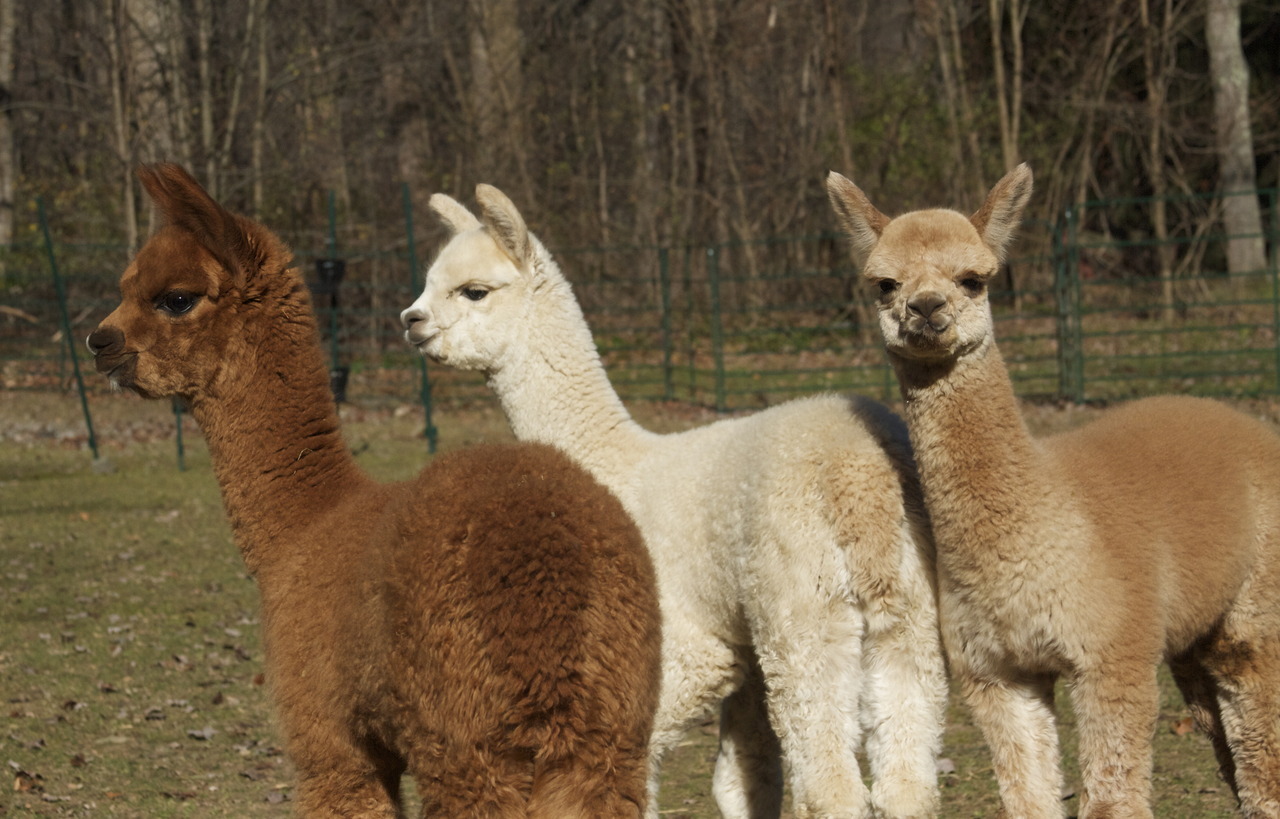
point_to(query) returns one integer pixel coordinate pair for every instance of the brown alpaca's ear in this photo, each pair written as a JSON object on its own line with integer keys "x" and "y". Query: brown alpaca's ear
{"x": 184, "y": 204}
{"x": 456, "y": 217}
{"x": 999, "y": 217}
{"x": 505, "y": 224}
{"x": 857, "y": 215}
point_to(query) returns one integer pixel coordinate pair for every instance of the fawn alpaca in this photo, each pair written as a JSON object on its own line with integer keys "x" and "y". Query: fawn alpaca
{"x": 1153, "y": 533}
{"x": 792, "y": 554}
{"x": 491, "y": 627}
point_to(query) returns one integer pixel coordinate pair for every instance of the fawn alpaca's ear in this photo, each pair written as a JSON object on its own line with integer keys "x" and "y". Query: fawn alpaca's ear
{"x": 857, "y": 215}
{"x": 505, "y": 224}
{"x": 998, "y": 218}
{"x": 184, "y": 204}
{"x": 453, "y": 214}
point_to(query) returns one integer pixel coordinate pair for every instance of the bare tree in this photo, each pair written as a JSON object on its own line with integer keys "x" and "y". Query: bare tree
{"x": 8, "y": 159}
{"x": 1241, "y": 217}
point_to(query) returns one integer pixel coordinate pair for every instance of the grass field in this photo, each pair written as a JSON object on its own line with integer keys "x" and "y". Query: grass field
{"x": 131, "y": 670}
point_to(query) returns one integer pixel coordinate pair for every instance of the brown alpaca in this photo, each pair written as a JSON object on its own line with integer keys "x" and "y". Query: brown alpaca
{"x": 491, "y": 627}
{"x": 1151, "y": 534}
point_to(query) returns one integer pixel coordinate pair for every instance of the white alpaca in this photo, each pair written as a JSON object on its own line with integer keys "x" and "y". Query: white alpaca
{"x": 1152, "y": 533}
{"x": 791, "y": 552}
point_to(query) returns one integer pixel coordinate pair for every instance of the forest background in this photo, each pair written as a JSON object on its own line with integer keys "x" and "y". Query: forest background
{"x": 634, "y": 122}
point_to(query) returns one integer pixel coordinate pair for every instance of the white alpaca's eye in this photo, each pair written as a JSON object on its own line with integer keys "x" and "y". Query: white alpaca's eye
{"x": 887, "y": 286}
{"x": 972, "y": 284}
{"x": 177, "y": 302}
{"x": 474, "y": 293}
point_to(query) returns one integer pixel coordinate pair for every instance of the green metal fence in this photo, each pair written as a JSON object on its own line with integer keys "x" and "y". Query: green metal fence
{"x": 1083, "y": 313}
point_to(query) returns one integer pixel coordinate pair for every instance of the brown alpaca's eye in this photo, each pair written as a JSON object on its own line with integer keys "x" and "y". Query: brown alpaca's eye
{"x": 887, "y": 286}
{"x": 474, "y": 293}
{"x": 177, "y": 302}
{"x": 972, "y": 285}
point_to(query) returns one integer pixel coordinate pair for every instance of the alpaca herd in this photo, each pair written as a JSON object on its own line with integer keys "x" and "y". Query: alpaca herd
{"x": 527, "y": 629}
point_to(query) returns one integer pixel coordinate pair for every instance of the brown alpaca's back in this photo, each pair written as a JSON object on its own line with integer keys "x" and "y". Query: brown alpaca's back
{"x": 490, "y": 628}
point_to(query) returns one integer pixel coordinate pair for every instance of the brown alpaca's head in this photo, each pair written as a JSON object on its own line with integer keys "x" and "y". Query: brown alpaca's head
{"x": 930, "y": 268}
{"x": 188, "y": 299}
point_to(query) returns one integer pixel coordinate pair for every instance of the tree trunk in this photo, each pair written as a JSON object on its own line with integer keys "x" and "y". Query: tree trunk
{"x": 1241, "y": 217}
{"x": 497, "y": 94}
{"x": 8, "y": 158}
{"x": 1155, "y": 47}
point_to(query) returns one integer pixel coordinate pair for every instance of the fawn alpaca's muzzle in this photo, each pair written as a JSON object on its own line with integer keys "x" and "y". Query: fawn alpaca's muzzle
{"x": 110, "y": 357}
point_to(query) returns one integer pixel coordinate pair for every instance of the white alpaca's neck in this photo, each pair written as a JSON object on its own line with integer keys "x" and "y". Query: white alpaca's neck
{"x": 981, "y": 470}
{"x": 554, "y": 389}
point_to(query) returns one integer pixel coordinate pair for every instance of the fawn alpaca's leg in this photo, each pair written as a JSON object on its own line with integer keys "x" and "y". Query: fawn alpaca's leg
{"x": 1017, "y": 721}
{"x": 1116, "y": 710}
{"x": 1200, "y": 691}
{"x": 906, "y": 697}
{"x": 811, "y": 653}
{"x": 339, "y": 778}
{"x": 698, "y": 671}
{"x": 748, "y": 776}
{"x": 1248, "y": 676}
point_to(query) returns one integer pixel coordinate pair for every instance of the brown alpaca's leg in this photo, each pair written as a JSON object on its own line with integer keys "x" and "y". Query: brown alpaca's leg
{"x": 352, "y": 795}
{"x": 1248, "y": 676}
{"x": 1201, "y": 694}
{"x": 1017, "y": 722}
{"x": 598, "y": 781}
{"x": 1116, "y": 710}
{"x": 748, "y": 776}
{"x": 476, "y": 783}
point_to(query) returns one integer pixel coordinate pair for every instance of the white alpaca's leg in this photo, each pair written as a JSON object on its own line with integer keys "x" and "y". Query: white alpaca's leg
{"x": 748, "y": 776}
{"x": 698, "y": 671}
{"x": 905, "y": 700}
{"x": 1116, "y": 710}
{"x": 1017, "y": 721}
{"x": 810, "y": 652}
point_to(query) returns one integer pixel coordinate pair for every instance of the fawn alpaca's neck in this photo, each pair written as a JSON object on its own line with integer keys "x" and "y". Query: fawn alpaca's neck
{"x": 275, "y": 439}
{"x": 979, "y": 466}
{"x": 554, "y": 389}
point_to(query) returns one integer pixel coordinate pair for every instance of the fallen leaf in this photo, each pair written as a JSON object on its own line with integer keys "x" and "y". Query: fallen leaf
{"x": 1183, "y": 726}
{"x": 204, "y": 734}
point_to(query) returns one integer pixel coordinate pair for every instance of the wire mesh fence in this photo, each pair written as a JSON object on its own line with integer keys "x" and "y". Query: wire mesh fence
{"x": 1083, "y": 313}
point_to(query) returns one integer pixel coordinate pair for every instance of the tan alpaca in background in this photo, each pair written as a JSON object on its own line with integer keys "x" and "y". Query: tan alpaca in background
{"x": 1152, "y": 534}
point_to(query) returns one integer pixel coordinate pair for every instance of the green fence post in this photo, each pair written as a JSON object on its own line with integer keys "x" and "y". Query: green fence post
{"x": 717, "y": 324}
{"x": 333, "y": 299}
{"x": 424, "y": 390}
{"x": 1275, "y": 277}
{"x": 1066, "y": 297}
{"x": 66, "y": 324}
{"x": 664, "y": 287}
{"x": 177, "y": 417}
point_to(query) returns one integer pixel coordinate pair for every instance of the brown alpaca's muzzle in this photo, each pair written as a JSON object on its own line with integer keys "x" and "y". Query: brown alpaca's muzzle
{"x": 110, "y": 356}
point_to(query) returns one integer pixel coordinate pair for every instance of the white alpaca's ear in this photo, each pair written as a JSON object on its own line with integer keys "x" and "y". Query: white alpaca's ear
{"x": 505, "y": 224}
{"x": 453, "y": 214}
{"x": 859, "y": 218}
{"x": 999, "y": 217}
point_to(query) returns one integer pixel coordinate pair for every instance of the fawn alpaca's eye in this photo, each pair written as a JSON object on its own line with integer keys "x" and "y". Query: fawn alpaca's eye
{"x": 474, "y": 293}
{"x": 887, "y": 286}
{"x": 177, "y": 302}
{"x": 972, "y": 284}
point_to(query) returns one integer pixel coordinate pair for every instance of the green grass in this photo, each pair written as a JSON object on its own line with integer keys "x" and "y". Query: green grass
{"x": 130, "y": 656}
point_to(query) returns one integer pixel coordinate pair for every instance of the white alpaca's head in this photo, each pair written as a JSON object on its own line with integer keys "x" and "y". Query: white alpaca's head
{"x": 478, "y": 295}
{"x": 930, "y": 268}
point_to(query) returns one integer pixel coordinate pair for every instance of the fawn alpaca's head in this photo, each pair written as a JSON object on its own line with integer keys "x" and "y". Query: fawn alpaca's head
{"x": 186, "y": 297}
{"x": 930, "y": 268}
{"x": 479, "y": 290}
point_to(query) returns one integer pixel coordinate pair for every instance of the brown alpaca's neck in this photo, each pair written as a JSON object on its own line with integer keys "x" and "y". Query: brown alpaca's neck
{"x": 276, "y": 443}
{"x": 979, "y": 466}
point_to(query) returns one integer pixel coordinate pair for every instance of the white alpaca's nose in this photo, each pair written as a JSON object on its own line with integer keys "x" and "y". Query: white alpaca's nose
{"x": 416, "y": 321}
